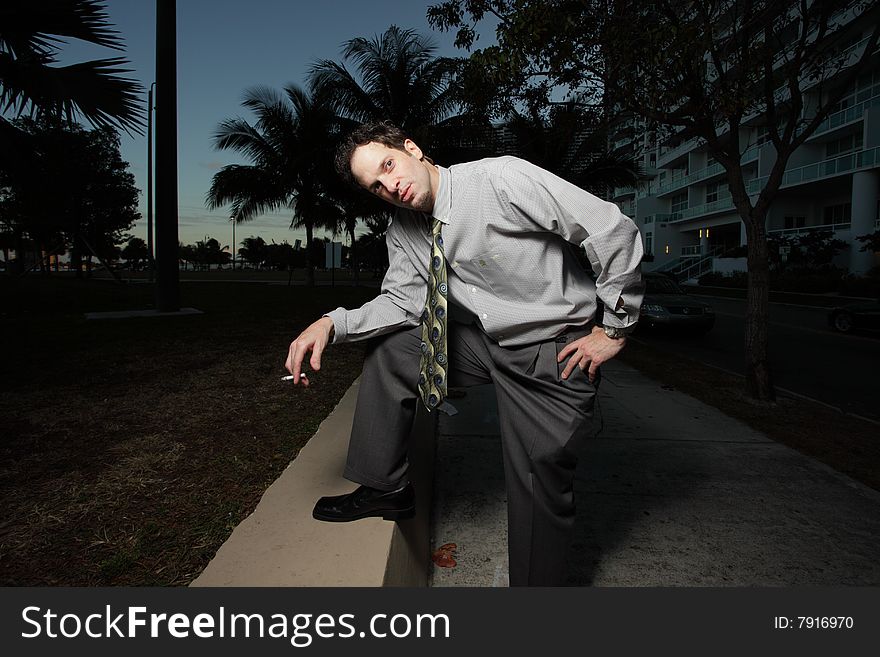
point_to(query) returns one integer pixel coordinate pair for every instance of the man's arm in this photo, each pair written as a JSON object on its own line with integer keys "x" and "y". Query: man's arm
{"x": 398, "y": 305}
{"x": 610, "y": 239}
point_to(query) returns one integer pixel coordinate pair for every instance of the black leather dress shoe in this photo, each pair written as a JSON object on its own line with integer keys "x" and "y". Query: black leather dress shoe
{"x": 366, "y": 502}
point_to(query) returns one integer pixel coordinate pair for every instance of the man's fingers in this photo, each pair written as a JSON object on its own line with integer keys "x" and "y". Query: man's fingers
{"x": 566, "y": 350}
{"x": 594, "y": 367}
{"x": 570, "y": 365}
{"x": 299, "y": 353}
{"x": 315, "y": 361}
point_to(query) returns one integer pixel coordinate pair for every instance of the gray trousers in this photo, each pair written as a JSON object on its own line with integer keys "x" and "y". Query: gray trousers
{"x": 543, "y": 418}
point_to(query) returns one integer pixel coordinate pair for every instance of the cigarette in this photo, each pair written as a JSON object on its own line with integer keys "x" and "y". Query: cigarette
{"x": 289, "y": 377}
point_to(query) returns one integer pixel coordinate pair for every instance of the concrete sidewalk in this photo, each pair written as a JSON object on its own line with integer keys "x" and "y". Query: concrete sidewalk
{"x": 670, "y": 492}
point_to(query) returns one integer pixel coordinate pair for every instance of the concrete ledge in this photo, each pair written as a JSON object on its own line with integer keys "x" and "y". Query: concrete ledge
{"x": 280, "y": 544}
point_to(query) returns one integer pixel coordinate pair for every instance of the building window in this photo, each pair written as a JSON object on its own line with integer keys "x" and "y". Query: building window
{"x": 795, "y": 222}
{"x": 868, "y": 86}
{"x": 844, "y": 145}
{"x": 680, "y": 202}
{"x": 649, "y": 243}
{"x": 834, "y": 215}
{"x": 717, "y": 191}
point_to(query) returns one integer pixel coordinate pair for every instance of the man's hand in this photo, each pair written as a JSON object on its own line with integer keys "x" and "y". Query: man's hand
{"x": 590, "y": 351}
{"x": 313, "y": 339}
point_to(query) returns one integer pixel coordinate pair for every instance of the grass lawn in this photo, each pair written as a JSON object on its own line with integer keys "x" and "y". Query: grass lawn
{"x": 131, "y": 448}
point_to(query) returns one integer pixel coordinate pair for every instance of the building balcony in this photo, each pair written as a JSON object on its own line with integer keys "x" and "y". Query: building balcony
{"x": 847, "y": 116}
{"x": 712, "y": 170}
{"x": 668, "y": 155}
{"x": 657, "y": 218}
{"x": 835, "y": 166}
{"x": 699, "y": 211}
{"x": 803, "y": 230}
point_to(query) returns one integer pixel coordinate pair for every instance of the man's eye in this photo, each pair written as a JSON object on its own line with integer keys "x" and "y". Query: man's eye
{"x": 388, "y": 164}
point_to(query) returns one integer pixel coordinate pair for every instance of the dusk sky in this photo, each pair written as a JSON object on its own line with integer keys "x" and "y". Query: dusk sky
{"x": 225, "y": 47}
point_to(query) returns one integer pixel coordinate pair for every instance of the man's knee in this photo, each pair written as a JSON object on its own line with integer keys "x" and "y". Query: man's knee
{"x": 395, "y": 352}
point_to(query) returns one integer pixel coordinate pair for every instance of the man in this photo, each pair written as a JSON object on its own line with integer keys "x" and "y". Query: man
{"x": 483, "y": 285}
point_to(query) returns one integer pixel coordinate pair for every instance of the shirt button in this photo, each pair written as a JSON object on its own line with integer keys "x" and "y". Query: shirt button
{"x": 474, "y": 290}
{"x": 485, "y": 315}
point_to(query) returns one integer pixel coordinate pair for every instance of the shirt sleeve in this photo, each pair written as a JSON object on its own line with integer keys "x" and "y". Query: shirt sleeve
{"x": 611, "y": 239}
{"x": 398, "y": 305}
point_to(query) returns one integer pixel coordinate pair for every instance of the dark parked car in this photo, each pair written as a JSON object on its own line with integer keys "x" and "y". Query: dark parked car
{"x": 667, "y": 305}
{"x": 855, "y": 317}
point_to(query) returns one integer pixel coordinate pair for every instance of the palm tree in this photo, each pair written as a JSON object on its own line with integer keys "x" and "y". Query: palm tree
{"x": 398, "y": 79}
{"x": 292, "y": 167}
{"x": 573, "y": 145}
{"x": 30, "y": 34}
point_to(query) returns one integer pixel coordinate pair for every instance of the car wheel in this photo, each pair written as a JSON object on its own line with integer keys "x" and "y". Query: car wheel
{"x": 843, "y": 322}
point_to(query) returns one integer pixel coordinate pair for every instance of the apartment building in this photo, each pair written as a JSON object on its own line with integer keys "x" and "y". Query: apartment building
{"x": 831, "y": 183}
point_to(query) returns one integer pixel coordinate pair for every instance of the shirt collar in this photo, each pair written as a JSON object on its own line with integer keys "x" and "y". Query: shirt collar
{"x": 443, "y": 200}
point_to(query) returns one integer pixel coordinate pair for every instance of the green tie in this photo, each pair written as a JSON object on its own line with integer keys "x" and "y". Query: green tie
{"x": 432, "y": 379}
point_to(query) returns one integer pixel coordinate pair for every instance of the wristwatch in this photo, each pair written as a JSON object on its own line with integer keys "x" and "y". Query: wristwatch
{"x": 615, "y": 332}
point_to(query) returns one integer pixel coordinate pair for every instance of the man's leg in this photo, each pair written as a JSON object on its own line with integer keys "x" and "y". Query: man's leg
{"x": 543, "y": 423}
{"x": 385, "y": 411}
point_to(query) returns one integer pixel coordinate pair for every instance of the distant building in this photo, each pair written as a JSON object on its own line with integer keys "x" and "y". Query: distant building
{"x": 832, "y": 182}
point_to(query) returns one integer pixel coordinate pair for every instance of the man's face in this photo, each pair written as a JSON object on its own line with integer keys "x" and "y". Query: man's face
{"x": 401, "y": 178}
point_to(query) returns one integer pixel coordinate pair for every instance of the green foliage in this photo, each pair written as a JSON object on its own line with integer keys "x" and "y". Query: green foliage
{"x": 135, "y": 252}
{"x": 93, "y": 198}
{"x": 542, "y": 47}
{"x": 31, "y": 35}
{"x": 870, "y": 242}
{"x": 809, "y": 251}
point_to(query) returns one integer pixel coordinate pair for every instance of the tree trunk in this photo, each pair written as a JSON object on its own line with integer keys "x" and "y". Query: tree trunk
{"x": 76, "y": 256}
{"x": 355, "y": 268}
{"x": 310, "y": 270}
{"x": 759, "y": 382}
{"x": 18, "y": 246}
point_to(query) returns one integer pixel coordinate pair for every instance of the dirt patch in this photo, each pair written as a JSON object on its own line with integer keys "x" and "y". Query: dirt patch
{"x": 130, "y": 449}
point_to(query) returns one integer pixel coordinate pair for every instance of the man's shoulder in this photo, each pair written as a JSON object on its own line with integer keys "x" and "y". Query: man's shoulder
{"x": 497, "y": 171}
{"x": 486, "y": 165}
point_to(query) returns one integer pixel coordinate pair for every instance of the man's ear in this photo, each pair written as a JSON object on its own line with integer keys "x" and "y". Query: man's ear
{"x": 413, "y": 149}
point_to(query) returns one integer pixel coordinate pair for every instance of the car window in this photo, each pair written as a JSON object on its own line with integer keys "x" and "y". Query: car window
{"x": 661, "y": 285}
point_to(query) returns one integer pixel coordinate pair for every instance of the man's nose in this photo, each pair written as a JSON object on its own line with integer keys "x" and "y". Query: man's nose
{"x": 389, "y": 185}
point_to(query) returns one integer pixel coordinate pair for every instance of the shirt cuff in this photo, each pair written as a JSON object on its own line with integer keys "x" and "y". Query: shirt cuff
{"x": 340, "y": 333}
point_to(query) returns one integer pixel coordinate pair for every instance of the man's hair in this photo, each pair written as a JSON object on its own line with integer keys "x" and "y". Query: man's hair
{"x": 381, "y": 132}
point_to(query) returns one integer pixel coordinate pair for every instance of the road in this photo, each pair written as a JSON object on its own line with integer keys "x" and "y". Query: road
{"x": 806, "y": 356}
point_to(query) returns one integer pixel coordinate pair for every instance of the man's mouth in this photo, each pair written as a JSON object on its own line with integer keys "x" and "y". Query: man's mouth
{"x": 405, "y": 196}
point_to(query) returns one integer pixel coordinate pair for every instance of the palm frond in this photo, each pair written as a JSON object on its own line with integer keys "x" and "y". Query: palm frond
{"x": 249, "y": 190}
{"x": 35, "y": 27}
{"x": 94, "y": 89}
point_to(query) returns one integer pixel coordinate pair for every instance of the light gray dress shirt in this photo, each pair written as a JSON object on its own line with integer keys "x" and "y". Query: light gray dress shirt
{"x": 508, "y": 234}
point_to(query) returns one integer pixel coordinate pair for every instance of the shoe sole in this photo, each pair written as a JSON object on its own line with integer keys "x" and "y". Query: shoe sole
{"x": 391, "y": 514}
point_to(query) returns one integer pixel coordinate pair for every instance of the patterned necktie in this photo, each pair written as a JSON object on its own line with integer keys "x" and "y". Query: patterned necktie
{"x": 432, "y": 377}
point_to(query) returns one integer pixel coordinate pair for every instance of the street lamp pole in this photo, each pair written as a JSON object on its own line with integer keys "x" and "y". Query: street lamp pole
{"x": 151, "y": 257}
